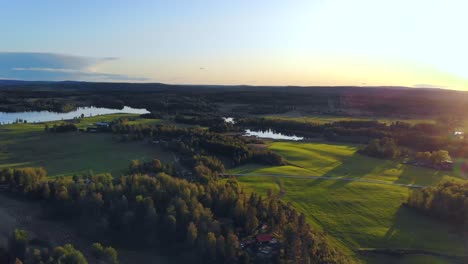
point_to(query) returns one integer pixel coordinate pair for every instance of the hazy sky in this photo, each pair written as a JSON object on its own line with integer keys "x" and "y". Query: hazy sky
{"x": 305, "y": 42}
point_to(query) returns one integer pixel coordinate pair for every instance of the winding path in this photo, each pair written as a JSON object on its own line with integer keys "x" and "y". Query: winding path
{"x": 327, "y": 178}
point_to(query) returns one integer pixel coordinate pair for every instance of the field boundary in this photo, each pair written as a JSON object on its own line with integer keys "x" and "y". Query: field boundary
{"x": 398, "y": 252}
{"x": 323, "y": 178}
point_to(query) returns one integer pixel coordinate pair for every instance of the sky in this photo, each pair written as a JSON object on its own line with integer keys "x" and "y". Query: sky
{"x": 258, "y": 42}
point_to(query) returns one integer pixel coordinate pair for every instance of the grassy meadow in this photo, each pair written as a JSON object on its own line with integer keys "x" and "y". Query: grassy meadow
{"x": 357, "y": 214}
{"x": 64, "y": 154}
{"x": 319, "y": 159}
{"x": 323, "y": 119}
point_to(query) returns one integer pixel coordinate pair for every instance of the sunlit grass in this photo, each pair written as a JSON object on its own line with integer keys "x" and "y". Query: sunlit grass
{"x": 319, "y": 159}
{"x": 323, "y": 119}
{"x": 65, "y": 154}
{"x": 357, "y": 214}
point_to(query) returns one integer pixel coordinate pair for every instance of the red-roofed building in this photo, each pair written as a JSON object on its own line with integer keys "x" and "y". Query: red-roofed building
{"x": 264, "y": 238}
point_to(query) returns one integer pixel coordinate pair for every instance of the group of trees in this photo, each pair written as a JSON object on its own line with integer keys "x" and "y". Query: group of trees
{"x": 433, "y": 158}
{"x": 20, "y": 104}
{"x": 150, "y": 167}
{"x": 448, "y": 201}
{"x": 213, "y": 122}
{"x": 23, "y": 250}
{"x": 382, "y": 148}
{"x": 205, "y": 168}
{"x": 161, "y": 210}
{"x": 23, "y": 180}
{"x": 64, "y": 127}
{"x": 105, "y": 254}
{"x": 189, "y": 142}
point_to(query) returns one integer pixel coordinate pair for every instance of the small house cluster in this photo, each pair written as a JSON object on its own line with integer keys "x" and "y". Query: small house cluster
{"x": 99, "y": 127}
{"x": 263, "y": 244}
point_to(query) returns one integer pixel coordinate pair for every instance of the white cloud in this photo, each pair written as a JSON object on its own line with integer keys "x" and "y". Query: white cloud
{"x": 56, "y": 67}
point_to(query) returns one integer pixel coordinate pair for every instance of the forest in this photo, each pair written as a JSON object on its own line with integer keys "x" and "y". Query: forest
{"x": 22, "y": 249}
{"x": 211, "y": 219}
{"x": 174, "y": 99}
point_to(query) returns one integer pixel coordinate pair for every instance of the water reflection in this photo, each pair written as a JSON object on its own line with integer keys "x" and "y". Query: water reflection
{"x": 270, "y": 134}
{"x": 44, "y": 116}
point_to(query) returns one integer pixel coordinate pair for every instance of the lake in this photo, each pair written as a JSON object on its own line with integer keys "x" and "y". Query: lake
{"x": 44, "y": 116}
{"x": 229, "y": 120}
{"x": 270, "y": 134}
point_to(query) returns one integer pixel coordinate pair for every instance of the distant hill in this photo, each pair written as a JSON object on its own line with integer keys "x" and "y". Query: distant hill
{"x": 157, "y": 86}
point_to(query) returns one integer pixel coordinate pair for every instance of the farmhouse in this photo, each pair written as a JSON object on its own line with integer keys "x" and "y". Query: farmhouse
{"x": 459, "y": 134}
{"x": 264, "y": 238}
{"x": 102, "y": 124}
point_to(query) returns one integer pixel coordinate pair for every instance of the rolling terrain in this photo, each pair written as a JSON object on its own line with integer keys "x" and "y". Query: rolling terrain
{"x": 65, "y": 154}
{"x": 359, "y": 215}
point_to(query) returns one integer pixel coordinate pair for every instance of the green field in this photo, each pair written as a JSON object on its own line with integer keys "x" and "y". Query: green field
{"x": 90, "y": 121}
{"x": 317, "y": 159}
{"x": 64, "y": 154}
{"x": 357, "y": 214}
{"x": 323, "y": 119}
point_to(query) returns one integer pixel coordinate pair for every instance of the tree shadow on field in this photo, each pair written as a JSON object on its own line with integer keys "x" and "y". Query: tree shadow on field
{"x": 413, "y": 230}
{"x": 400, "y": 224}
{"x": 357, "y": 166}
{"x": 421, "y": 176}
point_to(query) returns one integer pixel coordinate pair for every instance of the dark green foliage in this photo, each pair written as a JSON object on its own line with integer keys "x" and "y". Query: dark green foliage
{"x": 20, "y": 251}
{"x": 64, "y": 127}
{"x": 435, "y": 157}
{"x": 153, "y": 166}
{"x": 382, "y": 148}
{"x": 142, "y": 209}
{"x": 448, "y": 200}
{"x": 191, "y": 142}
{"x": 17, "y": 244}
{"x": 107, "y": 255}
{"x": 22, "y": 179}
{"x": 68, "y": 255}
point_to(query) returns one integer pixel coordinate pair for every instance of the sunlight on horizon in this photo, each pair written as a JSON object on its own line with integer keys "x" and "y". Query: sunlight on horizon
{"x": 363, "y": 42}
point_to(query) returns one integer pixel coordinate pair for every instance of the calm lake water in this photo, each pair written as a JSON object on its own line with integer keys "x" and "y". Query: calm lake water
{"x": 229, "y": 120}
{"x": 44, "y": 116}
{"x": 271, "y": 134}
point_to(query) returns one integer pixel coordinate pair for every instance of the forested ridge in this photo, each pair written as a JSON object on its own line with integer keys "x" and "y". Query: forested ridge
{"x": 173, "y": 99}
{"x": 210, "y": 219}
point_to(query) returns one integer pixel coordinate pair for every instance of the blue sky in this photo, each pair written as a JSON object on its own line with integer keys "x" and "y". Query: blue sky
{"x": 304, "y": 42}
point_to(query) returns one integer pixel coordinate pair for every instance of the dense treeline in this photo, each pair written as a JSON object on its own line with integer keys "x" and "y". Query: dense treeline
{"x": 214, "y": 123}
{"x": 11, "y": 105}
{"x": 448, "y": 201}
{"x": 22, "y": 249}
{"x": 150, "y": 167}
{"x": 173, "y": 99}
{"x": 210, "y": 219}
{"x": 417, "y": 138}
{"x": 64, "y": 127}
{"x": 340, "y": 130}
{"x": 382, "y": 148}
{"x": 189, "y": 142}
{"x": 23, "y": 180}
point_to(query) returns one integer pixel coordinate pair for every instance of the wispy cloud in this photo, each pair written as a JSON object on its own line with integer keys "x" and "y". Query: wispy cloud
{"x": 47, "y": 70}
{"x": 422, "y": 85}
{"x": 56, "y": 67}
